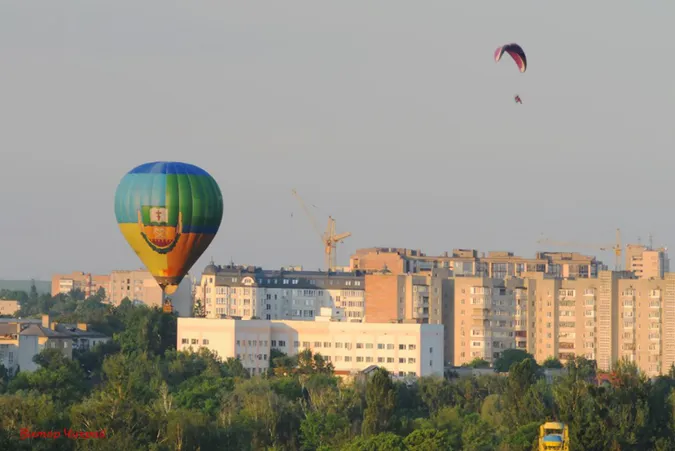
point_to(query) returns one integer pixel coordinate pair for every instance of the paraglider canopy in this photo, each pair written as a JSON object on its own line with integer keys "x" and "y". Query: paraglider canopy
{"x": 516, "y": 52}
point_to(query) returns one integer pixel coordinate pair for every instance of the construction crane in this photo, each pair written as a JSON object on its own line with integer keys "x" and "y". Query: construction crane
{"x": 329, "y": 238}
{"x": 616, "y": 247}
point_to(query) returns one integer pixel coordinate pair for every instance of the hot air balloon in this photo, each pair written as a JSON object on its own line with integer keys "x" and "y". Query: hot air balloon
{"x": 169, "y": 212}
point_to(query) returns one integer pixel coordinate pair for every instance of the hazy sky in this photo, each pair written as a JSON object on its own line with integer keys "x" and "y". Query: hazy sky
{"x": 390, "y": 115}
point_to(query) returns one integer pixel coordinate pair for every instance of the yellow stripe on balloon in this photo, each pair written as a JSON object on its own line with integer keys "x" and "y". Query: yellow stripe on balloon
{"x": 157, "y": 264}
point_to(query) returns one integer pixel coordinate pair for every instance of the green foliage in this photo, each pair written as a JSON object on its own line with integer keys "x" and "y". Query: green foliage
{"x": 510, "y": 357}
{"x": 477, "y": 363}
{"x": 428, "y": 439}
{"x": 149, "y": 396}
{"x": 385, "y": 441}
{"x": 552, "y": 363}
{"x": 380, "y": 403}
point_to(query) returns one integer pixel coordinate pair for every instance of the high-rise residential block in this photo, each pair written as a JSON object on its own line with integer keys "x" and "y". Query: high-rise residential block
{"x": 468, "y": 262}
{"x": 250, "y": 292}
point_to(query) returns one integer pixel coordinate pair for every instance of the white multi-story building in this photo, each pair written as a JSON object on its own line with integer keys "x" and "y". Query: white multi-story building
{"x": 250, "y": 292}
{"x": 403, "y": 349}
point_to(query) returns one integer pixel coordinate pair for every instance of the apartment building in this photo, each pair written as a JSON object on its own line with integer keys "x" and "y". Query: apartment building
{"x": 250, "y": 292}
{"x": 8, "y": 307}
{"x": 646, "y": 323}
{"x": 135, "y": 285}
{"x": 422, "y": 298}
{"x": 611, "y": 317}
{"x": 21, "y": 340}
{"x": 485, "y": 318}
{"x": 403, "y": 349}
{"x": 140, "y": 287}
{"x": 647, "y": 262}
{"x": 468, "y": 262}
{"x": 88, "y": 283}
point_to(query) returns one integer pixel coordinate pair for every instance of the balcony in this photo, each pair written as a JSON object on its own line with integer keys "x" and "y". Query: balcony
{"x": 480, "y": 314}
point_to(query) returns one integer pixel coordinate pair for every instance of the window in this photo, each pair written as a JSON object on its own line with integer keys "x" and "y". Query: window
{"x": 205, "y": 341}
{"x": 369, "y": 346}
{"x": 390, "y": 360}
{"x": 194, "y": 341}
{"x": 326, "y": 344}
{"x": 390, "y": 346}
{"x": 282, "y": 343}
{"x": 380, "y": 346}
{"x": 348, "y": 358}
{"x": 274, "y": 343}
{"x": 369, "y": 359}
{"x": 317, "y": 344}
{"x": 401, "y": 360}
{"x": 401, "y": 347}
{"x": 359, "y": 359}
{"x": 183, "y": 341}
{"x": 411, "y": 360}
{"x": 359, "y": 345}
{"x": 411, "y": 347}
{"x": 380, "y": 360}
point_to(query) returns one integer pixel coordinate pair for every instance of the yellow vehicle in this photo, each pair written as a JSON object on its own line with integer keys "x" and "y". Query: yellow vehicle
{"x": 554, "y": 436}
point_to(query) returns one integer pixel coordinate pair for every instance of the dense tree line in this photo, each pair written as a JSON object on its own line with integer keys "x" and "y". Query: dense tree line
{"x": 148, "y": 396}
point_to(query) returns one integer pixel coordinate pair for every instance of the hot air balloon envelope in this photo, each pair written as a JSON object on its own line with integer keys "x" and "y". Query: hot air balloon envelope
{"x": 169, "y": 212}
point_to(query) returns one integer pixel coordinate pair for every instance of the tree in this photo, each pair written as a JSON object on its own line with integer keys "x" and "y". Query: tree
{"x": 436, "y": 392}
{"x": 101, "y": 294}
{"x": 518, "y": 398}
{"x": 510, "y": 357}
{"x": 146, "y": 330}
{"x": 198, "y": 309}
{"x": 477, "y": 363}
{"x": 323, "y": 429}
{"x": 552, "y": 363}
{"x": 385, "y": 441}
{"x": 58, "y": 376}
{"x": 477, "y": 435}
{"x": 428, "y": 439}
{"x": 380, "y": 403}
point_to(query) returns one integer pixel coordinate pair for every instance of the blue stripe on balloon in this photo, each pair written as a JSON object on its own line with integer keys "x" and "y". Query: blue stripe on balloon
{"x": 136, "y": 190}
{"x": 168, "y": 167}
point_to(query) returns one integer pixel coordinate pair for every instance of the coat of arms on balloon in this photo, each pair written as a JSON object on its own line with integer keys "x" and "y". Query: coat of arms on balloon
{"x": 156, "y": 229}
